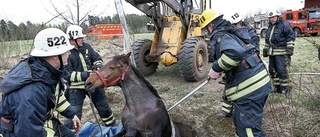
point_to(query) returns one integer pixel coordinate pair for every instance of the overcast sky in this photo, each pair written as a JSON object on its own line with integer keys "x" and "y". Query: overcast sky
{"x": 38, "y": 11}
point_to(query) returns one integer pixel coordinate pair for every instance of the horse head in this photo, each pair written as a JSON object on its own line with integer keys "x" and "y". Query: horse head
{"x": 110, "y": 74}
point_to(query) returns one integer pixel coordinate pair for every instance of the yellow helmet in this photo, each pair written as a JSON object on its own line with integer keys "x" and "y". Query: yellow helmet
{"x": 207, "y": 16}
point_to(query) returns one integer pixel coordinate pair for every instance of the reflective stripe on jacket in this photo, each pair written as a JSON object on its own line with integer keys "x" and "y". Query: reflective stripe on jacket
{"x": 248, "y": 86}
{"x": 80, "y": 63}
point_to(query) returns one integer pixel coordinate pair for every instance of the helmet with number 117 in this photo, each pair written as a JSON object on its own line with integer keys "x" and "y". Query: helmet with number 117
{"x": 50, "y": 42}
{"x": 74, "y": 32}
{"x": 207, "y": 16}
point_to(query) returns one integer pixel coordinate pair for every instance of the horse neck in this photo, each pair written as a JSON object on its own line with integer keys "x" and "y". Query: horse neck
{"x": 132, "y": 86}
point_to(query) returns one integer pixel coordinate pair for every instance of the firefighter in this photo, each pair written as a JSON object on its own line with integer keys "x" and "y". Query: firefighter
{"x": 279, "y": 47}
{"x": 237, "y": 20}
{"x": 33, "y": 89}
{"x": 82, "y": 61}
{"x": 247, "y": 81}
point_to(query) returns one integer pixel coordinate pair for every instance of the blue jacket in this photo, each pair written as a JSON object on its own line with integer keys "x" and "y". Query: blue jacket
{"x": 28, "y": 96}
{"x": 282, "y": 33}
{"x": 79, "y": 71}
{"x": 237, "y": 59}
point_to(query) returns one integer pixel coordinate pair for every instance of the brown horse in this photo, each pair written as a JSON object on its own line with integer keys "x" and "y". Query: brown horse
{"x": 144, "y": 113}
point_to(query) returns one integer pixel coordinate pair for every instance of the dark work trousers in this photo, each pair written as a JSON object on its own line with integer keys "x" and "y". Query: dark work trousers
{"x": 247, "y": 117}
{"x": 278, "y": 69}
{"x": 76, "y": 98}
{"x": 61, "y": 130}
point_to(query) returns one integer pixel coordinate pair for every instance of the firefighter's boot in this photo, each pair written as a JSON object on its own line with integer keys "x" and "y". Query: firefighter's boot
{"x": 288, "y": 94}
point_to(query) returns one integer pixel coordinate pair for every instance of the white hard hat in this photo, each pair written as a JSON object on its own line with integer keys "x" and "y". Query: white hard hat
{"x": 274, "y": 13}
{"x": 234, "y": 18}
{"x": 74, "y": 32}
{"x": 50, "y": 42}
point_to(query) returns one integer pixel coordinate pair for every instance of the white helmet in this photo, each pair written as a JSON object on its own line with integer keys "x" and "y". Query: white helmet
{"x": 234, "y": 18}
{"x": 74, "y": 32}
{"x": 273, "y": 13}
{"x": 50, "y": 42}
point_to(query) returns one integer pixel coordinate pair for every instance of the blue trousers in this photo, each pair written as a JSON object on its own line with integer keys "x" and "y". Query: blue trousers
{"x": 278, "y": 66}
{"x": 76, "y": 98}
{"x": 247, "y": 117}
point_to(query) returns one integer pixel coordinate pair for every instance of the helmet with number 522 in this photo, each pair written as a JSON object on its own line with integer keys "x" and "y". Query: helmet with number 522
{"x": 50, "y": 42}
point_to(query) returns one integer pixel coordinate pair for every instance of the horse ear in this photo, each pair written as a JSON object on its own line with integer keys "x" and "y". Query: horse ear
{"x": 125, "y": 58}
{"x": 128, "y": 54}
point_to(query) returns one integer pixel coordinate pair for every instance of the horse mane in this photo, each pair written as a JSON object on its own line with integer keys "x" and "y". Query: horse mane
{"x": 140, "y": 75}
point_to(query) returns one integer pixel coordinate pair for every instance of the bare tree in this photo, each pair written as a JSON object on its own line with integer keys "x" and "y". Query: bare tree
{"x": 72, "y": 11}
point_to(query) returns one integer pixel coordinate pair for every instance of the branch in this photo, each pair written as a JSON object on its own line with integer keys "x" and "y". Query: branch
{"x": 60, "y": 14}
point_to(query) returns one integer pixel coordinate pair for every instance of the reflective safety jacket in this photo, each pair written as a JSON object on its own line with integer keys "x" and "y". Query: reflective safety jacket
{"x": 80, "y": 63}
{"x": 29, "y": 97}
{"x": 246, "y": 76}
{"x": 279, "y": 38}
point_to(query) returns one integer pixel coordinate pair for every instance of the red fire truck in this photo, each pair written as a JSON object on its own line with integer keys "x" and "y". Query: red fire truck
{"x": 304, "y": 21}
{"x": 105, "y": 32}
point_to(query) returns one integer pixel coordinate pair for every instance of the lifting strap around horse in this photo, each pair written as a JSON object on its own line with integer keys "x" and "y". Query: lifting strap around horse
{"x": 172, "y": 128}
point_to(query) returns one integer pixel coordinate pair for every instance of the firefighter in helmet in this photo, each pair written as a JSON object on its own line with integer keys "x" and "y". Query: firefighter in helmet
{"x": 247, "y": 81}
{"x": 33, "y": 89}
{"x": 279, "y": 44}
{"x": 82, "y": 61}
{"x": 237, "y": 20}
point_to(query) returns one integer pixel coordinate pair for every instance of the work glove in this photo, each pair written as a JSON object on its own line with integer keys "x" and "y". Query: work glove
{"x": 265, "y": 50}
{"x": 213, "y": 74}
{"x": 290, "y": 49}
{"x": 85, "y": 75}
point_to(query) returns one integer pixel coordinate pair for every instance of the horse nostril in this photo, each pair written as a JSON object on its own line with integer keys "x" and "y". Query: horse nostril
{"x": 88, "y": 84}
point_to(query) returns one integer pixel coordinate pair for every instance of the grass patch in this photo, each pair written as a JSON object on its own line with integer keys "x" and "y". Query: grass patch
{"x": 143, "y": 36}
{"x": 9, "y": 49}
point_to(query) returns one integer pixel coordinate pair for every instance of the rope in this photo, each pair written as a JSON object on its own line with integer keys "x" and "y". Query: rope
{"x": 94, "y": 113}
{"x": 304, "y": 73}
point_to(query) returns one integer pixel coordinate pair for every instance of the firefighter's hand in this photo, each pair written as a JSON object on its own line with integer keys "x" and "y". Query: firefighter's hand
{"x": 76, "y": 123}
{"x": 214, "y": 75}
